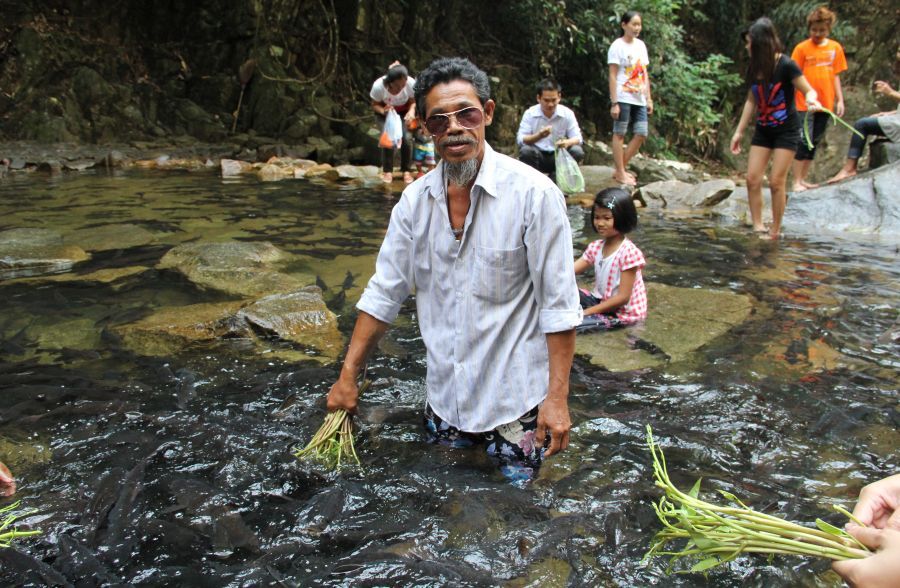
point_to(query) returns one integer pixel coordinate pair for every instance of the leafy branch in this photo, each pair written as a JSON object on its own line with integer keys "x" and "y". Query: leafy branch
{"x": 7, "y": 537}
{"x": 716, "y": 534}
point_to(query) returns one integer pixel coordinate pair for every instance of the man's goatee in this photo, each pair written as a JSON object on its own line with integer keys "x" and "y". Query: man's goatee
{"x": 461, "y": 173}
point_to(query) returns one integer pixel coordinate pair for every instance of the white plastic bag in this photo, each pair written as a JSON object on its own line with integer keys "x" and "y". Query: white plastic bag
{"x": 392, "y": 135}
{"x": 568, "y": 174}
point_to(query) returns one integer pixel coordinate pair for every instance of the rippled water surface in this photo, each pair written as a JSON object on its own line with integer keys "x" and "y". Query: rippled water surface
{"x": 178, "y": 470}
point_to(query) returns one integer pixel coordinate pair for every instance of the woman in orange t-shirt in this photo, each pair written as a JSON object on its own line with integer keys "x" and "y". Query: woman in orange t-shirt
{"x": 821, "y": 60}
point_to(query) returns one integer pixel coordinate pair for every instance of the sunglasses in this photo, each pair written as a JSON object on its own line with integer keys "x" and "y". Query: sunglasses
{"x": 467, "y": 118}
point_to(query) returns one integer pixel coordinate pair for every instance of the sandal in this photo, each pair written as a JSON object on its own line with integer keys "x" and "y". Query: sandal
{"x": 387, "y": 177}
{"x": 407, "y": 178}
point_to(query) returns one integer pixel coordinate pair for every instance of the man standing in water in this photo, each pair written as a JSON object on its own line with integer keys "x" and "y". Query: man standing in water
{"x": 486, "y": 245}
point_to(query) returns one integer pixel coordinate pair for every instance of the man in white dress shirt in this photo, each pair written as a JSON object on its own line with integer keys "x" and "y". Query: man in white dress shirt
{"x": 546, "y": 126}
{"x": 485, "y": 243}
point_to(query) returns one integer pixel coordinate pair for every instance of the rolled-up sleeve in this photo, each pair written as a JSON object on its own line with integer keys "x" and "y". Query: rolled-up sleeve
{"x": 393, "y": 279}
{"x": 548, "y": 238}
{"x": 573, "y": 131}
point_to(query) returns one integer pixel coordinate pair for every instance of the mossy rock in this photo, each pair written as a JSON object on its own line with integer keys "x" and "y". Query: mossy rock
{"x": 169, "y": 330}
{"x": 239, "y": 268}
{"x": 679, "y": 322}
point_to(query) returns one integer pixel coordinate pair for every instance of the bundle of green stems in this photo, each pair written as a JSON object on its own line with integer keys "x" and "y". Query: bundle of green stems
{"x": 7, "y": 537}
{"x": 716, "y": 534}
{"x": 807, "y": 137}
{"x": 333, "y": 442}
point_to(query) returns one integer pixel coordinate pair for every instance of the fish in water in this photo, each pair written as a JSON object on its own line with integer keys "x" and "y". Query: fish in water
{"x": 348, "y": 281}
{"x": 321, "y": 283}
{"x": 77, "y": 562}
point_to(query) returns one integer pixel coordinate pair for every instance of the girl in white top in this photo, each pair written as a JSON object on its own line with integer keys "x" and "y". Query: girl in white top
{"x": 629, "y": 93}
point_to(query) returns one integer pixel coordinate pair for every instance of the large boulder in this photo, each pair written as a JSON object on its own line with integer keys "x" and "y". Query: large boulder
{"x": 657, "y": 194}
{"x": 598, "y": 177}
{"x": 866, "y": 203}
{"x": 239, "y": 268}
{"x": 34, "y": 252}
{"x": 675, "y": 194}
{"x": 679, "y": 322}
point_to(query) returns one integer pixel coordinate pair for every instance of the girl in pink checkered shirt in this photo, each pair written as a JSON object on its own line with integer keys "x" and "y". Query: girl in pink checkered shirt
{"x": 618, "y": 297}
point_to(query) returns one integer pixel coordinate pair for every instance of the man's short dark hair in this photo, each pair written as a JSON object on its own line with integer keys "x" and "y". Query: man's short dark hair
{"x": 548, "y": 85}
{"x": 445, "y": 70}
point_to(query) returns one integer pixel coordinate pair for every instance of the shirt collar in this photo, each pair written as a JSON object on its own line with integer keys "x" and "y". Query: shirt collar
{"x": 486, "y": 178}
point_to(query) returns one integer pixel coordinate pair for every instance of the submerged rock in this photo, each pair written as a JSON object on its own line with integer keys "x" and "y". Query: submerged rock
{"x": 679, "y": 322}
{"x": 111, "y": 237}
{"x": 34, "y": 252}
{"x": 243, "y": 269}
{"x": 169, "y": 330}
{"x": 300, "y": 317}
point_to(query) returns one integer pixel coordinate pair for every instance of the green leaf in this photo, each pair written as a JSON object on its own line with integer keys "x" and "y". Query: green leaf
{"x": 702, "y": 542}
{"x": 705, "y": 564}
{"x": 829, "y": 528}
{"x": 695, "y": 490}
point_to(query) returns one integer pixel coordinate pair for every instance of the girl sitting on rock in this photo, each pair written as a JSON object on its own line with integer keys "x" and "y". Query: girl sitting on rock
{"x": 619, "y": 297}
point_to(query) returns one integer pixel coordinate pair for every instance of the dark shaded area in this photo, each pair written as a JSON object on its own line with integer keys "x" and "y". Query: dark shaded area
{"x": 102, "y": 72}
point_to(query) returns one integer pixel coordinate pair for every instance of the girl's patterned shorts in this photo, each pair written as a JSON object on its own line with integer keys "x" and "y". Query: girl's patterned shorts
{"x": 512, "y": 445}
{"x": 595, "y": 322}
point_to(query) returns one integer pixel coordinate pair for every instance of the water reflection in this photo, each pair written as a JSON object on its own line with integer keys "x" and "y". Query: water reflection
{"x": 161, "y": 470}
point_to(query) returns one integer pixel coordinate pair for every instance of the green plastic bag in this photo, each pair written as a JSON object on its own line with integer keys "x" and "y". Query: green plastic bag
{"x": 568, "y": 174}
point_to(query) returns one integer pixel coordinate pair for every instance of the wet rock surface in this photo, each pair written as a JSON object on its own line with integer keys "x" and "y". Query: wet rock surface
{"x": 32, "y": 252}
{"x": 679, "y": 322}
{"x": 866, "y": 203}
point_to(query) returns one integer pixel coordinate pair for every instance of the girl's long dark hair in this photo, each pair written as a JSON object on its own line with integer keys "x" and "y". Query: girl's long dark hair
{"x": 764, "y": 44}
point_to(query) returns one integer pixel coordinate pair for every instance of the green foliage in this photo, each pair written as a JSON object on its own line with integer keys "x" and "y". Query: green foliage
{"x": 687, "y": 97}
{"x": 571, "y": 40}
{"x": 790, "y": 22}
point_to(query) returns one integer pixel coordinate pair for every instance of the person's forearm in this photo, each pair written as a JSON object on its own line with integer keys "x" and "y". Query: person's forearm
{"x": 366, "y": 334}
{"x": 610, "y": 304}
{"x": 613, "y": 87}
{"x": 838, "y": 89}
{"x": 561, "y": 350}
{"x": 746, "y": 115}
{"x": 532, "y": 139}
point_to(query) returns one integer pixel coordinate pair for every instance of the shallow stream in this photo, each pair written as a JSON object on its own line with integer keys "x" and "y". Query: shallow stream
{"x": 178, "y": 470}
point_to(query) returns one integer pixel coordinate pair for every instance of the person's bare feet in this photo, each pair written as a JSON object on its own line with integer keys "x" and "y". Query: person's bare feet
{"x": 842, "y": 175}
{"x": 7, "y": 482}
{"x": 387, "y": 177}
{"x": 625, "y": 178}
{"x": 809, "y": 185}
{"x": 798, "y": 188}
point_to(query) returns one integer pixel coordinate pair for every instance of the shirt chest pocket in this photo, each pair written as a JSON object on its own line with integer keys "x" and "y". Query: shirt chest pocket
{"x": 499, "y": 274}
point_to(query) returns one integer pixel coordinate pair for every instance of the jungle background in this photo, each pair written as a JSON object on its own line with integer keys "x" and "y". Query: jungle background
{"x": 99, "y": 72}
